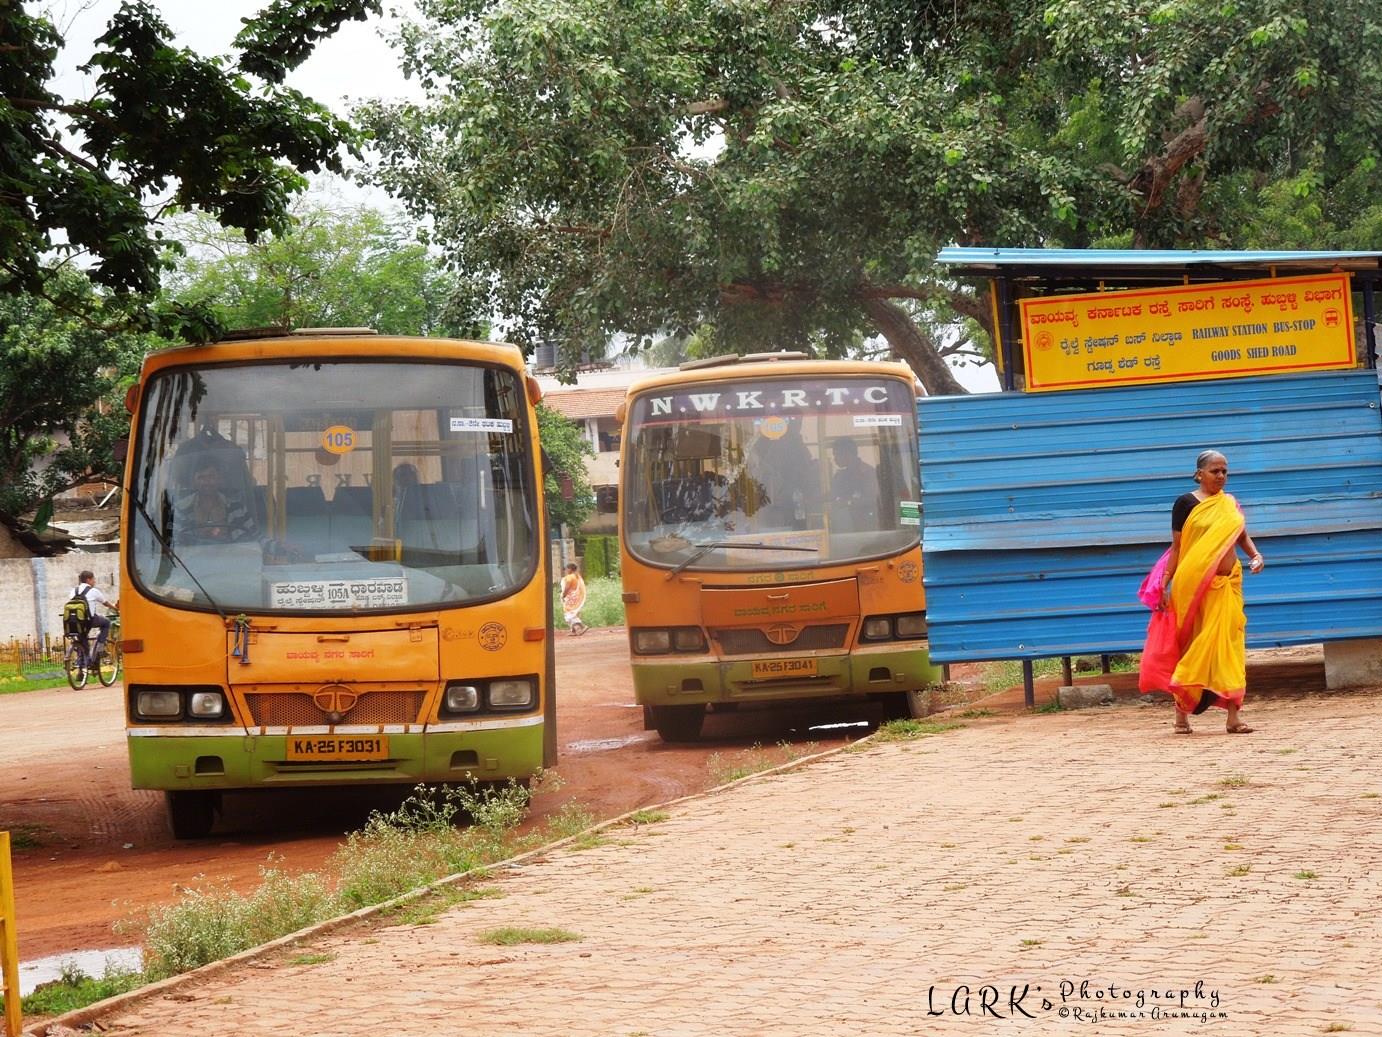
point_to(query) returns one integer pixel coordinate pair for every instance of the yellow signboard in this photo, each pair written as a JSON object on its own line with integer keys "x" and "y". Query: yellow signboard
{"x": 1223, "y": 330}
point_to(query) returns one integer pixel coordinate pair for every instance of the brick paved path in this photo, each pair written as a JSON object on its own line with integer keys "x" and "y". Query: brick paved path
{"x": 829, "y": 899}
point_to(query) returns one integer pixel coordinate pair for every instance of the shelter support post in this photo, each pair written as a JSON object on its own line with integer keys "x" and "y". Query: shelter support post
{"x": 1103, "y": 664}
{"x": 9, "y": 943}
{"x": 1067, "y": 671}
{"x": 1370, "y": 323}
{"x": 1028, "y": 690}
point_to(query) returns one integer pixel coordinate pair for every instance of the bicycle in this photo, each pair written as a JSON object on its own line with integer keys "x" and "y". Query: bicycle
{"x": 79, "y": 657}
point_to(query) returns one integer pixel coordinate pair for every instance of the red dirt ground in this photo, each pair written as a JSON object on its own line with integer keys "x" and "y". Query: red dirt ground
{"x": 98, "y": 852}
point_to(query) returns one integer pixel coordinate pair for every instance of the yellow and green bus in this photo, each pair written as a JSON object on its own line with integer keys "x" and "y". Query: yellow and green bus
{"x": 770, "y": 537}
{"x": 334, "y": 568}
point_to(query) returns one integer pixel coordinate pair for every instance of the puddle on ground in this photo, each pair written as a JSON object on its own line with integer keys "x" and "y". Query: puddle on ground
{"x": 603, "y": 745}
{"x": 33, "y": 974}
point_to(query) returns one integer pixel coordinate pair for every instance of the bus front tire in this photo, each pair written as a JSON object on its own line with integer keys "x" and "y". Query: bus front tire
{"x": 907, "y": 705}
{"x": 191, "y": 813}
{"x": 679, "y": 723}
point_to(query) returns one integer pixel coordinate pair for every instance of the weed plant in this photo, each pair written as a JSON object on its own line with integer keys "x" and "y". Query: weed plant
{"x": 74, "y": 989}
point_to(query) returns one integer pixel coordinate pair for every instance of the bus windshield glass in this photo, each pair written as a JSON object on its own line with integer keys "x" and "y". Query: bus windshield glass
{"x": 322, "y": 486}
{"x": 772, "y": 473}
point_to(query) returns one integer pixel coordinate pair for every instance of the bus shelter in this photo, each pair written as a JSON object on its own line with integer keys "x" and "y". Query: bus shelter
{"x": 1045, "y": 504}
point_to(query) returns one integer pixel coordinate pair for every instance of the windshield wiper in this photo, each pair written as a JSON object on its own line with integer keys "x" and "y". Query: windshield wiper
{"x": 153, "y": 528}
{"x": 704, "y": 549}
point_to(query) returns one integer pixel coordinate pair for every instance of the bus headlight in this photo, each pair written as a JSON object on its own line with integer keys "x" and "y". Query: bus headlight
{"x": 877, "y": 628}
{"x": 652, "y": 641}
{"x": 158, "y": 704}
{"x": 912, "y": 625}
{"x": 688, "y": 639}
{"x": 512, "y": 694}
{"x": 462, "y": 698}
{"x": 206, "y": 704}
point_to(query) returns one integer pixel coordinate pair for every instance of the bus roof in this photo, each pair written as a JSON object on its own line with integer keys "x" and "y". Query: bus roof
{"x": 741, "y": 371}
{"x": 333, "y": 343}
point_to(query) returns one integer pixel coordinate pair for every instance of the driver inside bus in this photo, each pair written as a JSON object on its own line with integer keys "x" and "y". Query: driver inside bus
{"x": 210, "y": 513}
{"x": 853, "y": 489}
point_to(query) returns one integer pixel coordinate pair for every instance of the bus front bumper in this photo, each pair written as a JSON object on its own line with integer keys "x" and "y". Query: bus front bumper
{"x": 161, "y": 758}
{"x": 868, "y": 670}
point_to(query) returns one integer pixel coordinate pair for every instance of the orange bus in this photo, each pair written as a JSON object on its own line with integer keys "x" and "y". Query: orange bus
{"x": 334, "y": 568}
{"x": 770, "y": 537}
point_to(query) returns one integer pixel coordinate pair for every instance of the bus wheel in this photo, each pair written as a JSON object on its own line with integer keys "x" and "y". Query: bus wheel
{"x": 191, "y": 814}
{"x": 679, "y": 723}
{"x": 907, "y": 705}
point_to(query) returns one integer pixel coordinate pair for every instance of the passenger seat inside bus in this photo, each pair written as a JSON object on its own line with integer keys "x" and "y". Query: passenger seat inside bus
{"x": 432, "y": 527}
{"x": 309, "y": 524}
{"x": 352, "y": 519}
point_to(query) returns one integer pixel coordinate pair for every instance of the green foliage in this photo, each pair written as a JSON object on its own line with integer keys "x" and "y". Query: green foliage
{"x": 207, "y": 925}
{"x": 566, "y": 446}
{"x": 74, "y": 989}
{"x": 764, "y": 175}
{"x": 60, "y": 399}
{"x": 336, "y": 266}
{"x": 600, "y": 557}
{"x": 162, "y": 122}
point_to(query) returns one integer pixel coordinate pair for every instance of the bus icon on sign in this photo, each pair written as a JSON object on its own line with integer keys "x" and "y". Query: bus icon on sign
{"x": 1331, "y": 318}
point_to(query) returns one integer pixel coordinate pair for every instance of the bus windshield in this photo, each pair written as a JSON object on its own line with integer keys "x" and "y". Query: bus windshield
{"x": 771, "y": 473}
{"x": 323, "y": 486}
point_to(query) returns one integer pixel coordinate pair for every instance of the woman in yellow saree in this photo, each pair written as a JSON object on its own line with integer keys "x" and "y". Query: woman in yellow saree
{"x": 1205, "y": 588}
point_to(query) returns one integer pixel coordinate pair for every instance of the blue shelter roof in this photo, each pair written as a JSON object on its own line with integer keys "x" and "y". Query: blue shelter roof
{"x": 1160, "y": 261}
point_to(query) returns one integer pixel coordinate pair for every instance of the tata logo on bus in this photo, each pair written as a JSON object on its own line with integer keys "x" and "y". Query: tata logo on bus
{"x": 802, "y": 397}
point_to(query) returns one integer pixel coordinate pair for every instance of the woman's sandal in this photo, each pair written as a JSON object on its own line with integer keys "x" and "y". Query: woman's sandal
{"x": 1182, "y": 730}
{"x": 1238, "y": 729}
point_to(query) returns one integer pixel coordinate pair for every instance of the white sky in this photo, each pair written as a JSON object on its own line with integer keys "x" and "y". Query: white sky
{"x": 355, "y": 64}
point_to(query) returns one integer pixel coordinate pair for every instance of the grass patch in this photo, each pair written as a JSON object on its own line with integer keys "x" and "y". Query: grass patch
{"x": 74, "y": 989}
{"x": 754, "y": 760}
{"x": 1233, "y": 846}
{"x": 312, "y": 959}
{"x": 1265, "y": 979}
{"x": 975, "y": 714}
{"x": 1078, "y": 839}
{"x": 1206, "y": 799}
{"x": 604, "y": 604}
{"x": 1370, "y": 795}
{"x": 1167, "y": 805}
{"x": 511, "y": 936}
{"x": 647, "y": 817}
{"x": 394, "y": 853}
{"x": 1239, "y": 871}
{"x": 1031, "y": 943}
{"x": 909, "y": 730}
{"x": 1141, "y": 839}
{"x": 1305, "y": 876}
{"x": 1234, "y": 781}
{"x": 1337, "y": 1028}
{"x": 27, "y": 837}
{"x": 1053, "y": 706}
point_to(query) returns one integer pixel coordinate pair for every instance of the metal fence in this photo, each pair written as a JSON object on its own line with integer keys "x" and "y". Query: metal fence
{"x": 30, "y": 657}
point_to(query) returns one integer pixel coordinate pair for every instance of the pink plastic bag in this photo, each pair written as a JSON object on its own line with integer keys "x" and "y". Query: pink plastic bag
{"x": 1154, "y": 582}
{"x": 1161, "y": 653}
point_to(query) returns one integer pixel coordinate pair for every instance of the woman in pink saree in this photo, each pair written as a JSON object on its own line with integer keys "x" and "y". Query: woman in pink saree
{"x": 1204, "y": 586}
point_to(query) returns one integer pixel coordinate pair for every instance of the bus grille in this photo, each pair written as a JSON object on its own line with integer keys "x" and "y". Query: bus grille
{"x": 296, "y": 709}
{"x": 748, "y": 641}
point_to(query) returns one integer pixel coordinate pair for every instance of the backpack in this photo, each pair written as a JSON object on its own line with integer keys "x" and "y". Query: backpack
{"x": 76, "y": 613}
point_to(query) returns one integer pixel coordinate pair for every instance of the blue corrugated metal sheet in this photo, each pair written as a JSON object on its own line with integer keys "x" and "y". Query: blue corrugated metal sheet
{"x": 1103, "y": 257}
{"x": 1043, "y": 512}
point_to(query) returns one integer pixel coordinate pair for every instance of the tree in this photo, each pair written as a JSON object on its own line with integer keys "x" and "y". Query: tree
{"x": 59, "y": 409}
{"x": 89, "y": 180}
{"x": 784, "y": 173}
{"x": 566, "y": 447}
{"x": 335, "y": 267}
